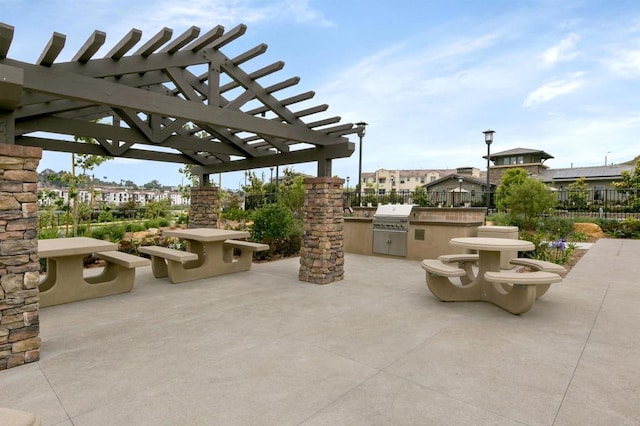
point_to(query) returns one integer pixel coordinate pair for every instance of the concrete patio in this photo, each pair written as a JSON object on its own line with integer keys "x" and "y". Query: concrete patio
{"x": 262, "y": 348}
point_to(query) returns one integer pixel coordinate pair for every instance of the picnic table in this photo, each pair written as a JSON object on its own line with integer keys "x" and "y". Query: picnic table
{"x": 513, "y": 291}
{"x": 65, "y": 279}
{"x": 210, "y": 252}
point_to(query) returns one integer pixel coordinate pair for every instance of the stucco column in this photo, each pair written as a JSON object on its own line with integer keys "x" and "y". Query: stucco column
{"x": 19, "y": 264}
{"x": 203, "y": 207}
{"x": 322, "y": 251}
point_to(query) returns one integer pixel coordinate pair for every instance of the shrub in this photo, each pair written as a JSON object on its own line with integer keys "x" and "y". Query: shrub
{"x": 105, "y": 216}
{"x": 45, "y": 234}
{"x": 235, "y": 213}
{"x": 275, "y": 225}
{"x": 557, "y": 251}
{"x": 628, "y": 228}
{"x": 135, "y": 227}
{"x": 113, "y": 232}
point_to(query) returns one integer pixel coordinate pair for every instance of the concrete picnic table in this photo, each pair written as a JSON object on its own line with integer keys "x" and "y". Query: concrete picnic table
{"x": 65, "y": 281}
{"x": 210, "y": 253}
{"x": 490, "y": 283}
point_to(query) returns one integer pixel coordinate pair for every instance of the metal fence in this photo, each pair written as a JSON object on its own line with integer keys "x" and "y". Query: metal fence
{"x": 595, "y": 203}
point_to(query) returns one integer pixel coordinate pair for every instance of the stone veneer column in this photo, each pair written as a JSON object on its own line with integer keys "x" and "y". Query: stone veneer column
{"x": 19, "y": 264}
{"x": 322, "y": 252}
{"x": 203, "y": 207}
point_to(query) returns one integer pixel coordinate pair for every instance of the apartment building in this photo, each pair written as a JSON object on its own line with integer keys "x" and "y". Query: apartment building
{"x": 113, "y": 196}
{"x": 383, "y": 181}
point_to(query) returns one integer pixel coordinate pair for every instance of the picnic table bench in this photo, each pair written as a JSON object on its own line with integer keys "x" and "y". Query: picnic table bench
{"x": 65, "y": 279}
{"x": 210, "y": 252}
{"x": 513, "y": 291}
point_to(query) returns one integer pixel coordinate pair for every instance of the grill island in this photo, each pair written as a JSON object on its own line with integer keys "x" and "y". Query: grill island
{"x": 390, "y": 229}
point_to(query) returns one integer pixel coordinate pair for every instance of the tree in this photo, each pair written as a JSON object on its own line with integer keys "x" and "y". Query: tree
{"x": 86, "y": 162}
{"x": 154, "y": 184}
{"x": 510, "y": 179}
{"x": 292, "y": 191}
{"x": 530, "y": 199}
{"x": 630, "y": 184}
{"x": 254, "y": 191}
{"x": 420, "y": 196}
{"x": 158, "y": 209}
{"x": 578, "y": 193}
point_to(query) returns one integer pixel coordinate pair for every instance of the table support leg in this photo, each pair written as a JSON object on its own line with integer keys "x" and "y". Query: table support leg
{"x": 65, "y": 281}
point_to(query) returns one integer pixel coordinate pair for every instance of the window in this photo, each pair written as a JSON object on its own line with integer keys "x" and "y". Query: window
{"x": 381, "y": 191}
{"x": 421, "y": 179}
{"x": 597, "y": 193}
{"x": 382, "y": 181}
{"x": 431, "y": 179}
{"x": 402, "y": 179}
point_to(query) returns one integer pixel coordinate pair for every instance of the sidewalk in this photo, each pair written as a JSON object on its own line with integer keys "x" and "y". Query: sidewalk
{"x": 262, "y": 348}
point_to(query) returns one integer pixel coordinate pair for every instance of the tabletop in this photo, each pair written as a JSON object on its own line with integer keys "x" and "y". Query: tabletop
{"x": 492, "y": 244}
{"x": 205, "y": 234}
{"x": 56, "y": 247}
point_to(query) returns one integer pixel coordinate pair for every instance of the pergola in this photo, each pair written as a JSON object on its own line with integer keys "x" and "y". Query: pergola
{"x": 179, "y": 100}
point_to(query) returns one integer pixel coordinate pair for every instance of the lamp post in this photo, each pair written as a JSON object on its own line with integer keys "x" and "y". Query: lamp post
{"x": 361, "y": 131}
{"x": 488, "y": 138}
{"x": 460, "y": 180}
{"x": 605, "y": 157}
{"x": 347, "y": 184}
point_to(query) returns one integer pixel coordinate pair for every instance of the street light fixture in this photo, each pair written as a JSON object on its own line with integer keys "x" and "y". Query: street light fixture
{"x": 488, "y": 138}
{"x": 460, "y": 180}
{"x": 361, "y": 131}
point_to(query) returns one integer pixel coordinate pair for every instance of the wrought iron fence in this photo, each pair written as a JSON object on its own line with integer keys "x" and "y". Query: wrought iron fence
{"x": 594, "y": 203}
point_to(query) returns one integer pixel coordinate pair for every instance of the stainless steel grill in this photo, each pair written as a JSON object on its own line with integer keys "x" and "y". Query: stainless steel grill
{"x": 390, "y": 229}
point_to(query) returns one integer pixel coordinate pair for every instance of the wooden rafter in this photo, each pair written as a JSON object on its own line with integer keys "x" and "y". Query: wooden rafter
{"x": 154, "y": 98}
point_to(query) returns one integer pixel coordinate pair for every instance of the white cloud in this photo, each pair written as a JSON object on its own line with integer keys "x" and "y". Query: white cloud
{"x": 303, "y": 13}
{"x": 561, "y": 52}
{"x": 553, "y": 89}
{"x": 625, "y": 63}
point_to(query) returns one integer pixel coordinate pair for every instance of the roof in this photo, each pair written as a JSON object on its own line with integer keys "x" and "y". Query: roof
{"x": 613, "y": 171}
{"x": 520, "y": 151}
{"x": 455, "y": 177}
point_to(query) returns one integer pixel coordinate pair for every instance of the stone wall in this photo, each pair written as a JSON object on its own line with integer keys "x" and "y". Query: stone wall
{"x": 19, "y": 264}
{"x": 204, "y": 207}
{"x": 322, "y": 252}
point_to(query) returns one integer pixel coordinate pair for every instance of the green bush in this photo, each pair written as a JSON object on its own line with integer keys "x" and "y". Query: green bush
{"x": 275, "y": 225}
{"x": 183, "y": 218}
{"x": 105, "y": 216}
{"x": 45, "y": 234}
{"x": 113, "y": 232}
{"x": 157, "y": 223}
{"x": 628, "y": 228}
{"x": 135, "y": 227}
{"x": 235, "y": 213}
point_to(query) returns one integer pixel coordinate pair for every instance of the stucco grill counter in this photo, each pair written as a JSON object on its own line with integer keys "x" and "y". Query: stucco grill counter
{"x": 390, "y": 229}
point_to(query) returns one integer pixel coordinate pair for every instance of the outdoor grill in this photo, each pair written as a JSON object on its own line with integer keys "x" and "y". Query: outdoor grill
{"x": 390, "y": 229}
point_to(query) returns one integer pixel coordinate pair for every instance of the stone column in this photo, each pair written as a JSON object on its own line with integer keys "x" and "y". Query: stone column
{"x": 19, "y": 264}
{"x": 322, "y": 252}
{"x": 203, "y": 207}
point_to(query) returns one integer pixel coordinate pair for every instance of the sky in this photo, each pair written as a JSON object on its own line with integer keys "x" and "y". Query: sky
{"x": 428, "y": 76}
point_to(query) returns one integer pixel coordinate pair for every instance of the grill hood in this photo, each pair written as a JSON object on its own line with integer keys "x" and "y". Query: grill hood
{"x": 393, "y": 210}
